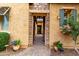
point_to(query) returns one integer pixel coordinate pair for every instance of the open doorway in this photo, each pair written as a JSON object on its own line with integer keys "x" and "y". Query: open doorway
{"x": 39, "y": 30}
{"x": 33, "y": 22}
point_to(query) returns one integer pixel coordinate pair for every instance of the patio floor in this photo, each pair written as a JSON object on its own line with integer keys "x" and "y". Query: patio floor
{"x": 67, "y": 52}
{"x": 38, "y": 49}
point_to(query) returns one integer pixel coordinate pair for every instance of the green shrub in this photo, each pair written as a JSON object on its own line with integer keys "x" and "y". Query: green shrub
{"x": 4, "y": 40}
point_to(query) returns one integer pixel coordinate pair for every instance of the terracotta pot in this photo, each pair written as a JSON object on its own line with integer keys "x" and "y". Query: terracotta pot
{"x": 17, "y": 47}
{"x": 56, "y": 49}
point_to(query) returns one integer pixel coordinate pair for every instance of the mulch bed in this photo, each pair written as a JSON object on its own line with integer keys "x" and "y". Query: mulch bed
{"x": 67, "y": 52}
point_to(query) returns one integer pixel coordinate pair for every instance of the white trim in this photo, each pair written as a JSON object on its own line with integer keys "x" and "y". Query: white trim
{"x": 6, "y": 11}
{"x": 68, "y": 8}
{"x": 39, "y": 11}
{"x": 5, "y": 31}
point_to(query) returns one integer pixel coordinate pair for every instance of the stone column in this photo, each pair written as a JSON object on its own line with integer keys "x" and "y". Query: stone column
{"x": 47, "y": 30}
{"x": 30, "y": 30}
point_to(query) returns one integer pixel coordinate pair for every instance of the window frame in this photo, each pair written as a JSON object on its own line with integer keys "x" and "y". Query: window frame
{"x": 61, "y": 15}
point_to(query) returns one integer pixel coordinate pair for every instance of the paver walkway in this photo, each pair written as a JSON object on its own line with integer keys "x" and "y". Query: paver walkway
{"x": 38, "y": 49}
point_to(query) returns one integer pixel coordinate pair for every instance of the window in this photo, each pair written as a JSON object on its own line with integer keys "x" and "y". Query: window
{"x": 4, "y": 12}
{"x": 65, "y": 13}
{"x": 5, "y": 23}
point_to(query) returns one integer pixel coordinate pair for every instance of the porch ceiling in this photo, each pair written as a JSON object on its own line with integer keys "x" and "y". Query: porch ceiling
{"x": 4, "y": 10}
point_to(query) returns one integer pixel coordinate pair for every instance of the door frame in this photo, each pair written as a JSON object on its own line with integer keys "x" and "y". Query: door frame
{"x": 46, "y": 38}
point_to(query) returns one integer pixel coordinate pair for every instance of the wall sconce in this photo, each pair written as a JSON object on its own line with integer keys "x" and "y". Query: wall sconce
{"x": 58, "y": 17}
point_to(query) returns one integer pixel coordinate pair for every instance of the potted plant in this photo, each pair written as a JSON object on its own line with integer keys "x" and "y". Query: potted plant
{"x": 59, "y": 46}
{"x": 16, "y": 44}
{"x": 54, "y": 46}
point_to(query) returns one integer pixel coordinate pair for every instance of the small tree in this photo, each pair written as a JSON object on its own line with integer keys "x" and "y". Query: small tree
{"x": 72, "y": 28}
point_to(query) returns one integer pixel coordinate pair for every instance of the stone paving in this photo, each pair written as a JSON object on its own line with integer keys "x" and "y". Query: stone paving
{"x": 38, "y": 49}
{"x": 67, "y": 52}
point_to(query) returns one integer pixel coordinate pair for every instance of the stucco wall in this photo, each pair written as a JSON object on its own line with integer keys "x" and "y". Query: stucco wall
{"x": 55, "y": 34}
{"x": 18, "y": 22}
